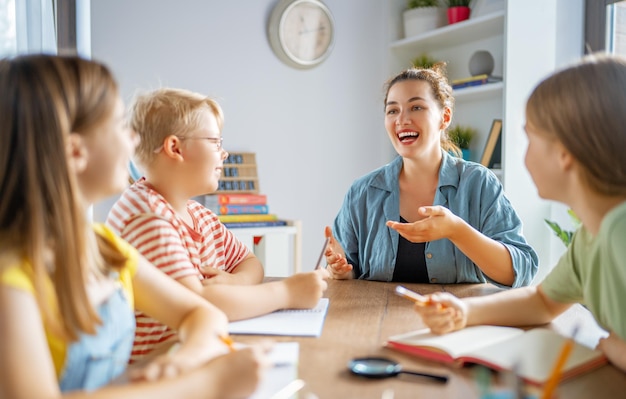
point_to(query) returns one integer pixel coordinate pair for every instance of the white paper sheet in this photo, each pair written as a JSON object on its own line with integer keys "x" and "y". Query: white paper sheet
{"x": 290, "y": 322}
{"x": 284, "y": 356}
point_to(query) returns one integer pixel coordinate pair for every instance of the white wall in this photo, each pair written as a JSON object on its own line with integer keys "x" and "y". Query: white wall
{"x": 558, "y": 27}
{"x": 314, "y": 131}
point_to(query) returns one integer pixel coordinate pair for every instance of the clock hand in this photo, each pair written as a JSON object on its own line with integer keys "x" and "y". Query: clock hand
{"x": 303, "y": 25}
{"x": 320, "y": 29}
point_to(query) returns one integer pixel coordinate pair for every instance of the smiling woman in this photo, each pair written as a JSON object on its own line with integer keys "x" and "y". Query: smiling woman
{"x": 427, "y": 217}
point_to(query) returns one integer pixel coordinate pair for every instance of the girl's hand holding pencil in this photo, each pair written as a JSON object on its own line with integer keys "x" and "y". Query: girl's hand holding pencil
{"x": 441, "y": 312}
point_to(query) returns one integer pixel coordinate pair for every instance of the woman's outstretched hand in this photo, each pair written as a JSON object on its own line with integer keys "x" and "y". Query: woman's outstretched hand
{"x": 438, "y": 222}
{"x": 337, "y": 264}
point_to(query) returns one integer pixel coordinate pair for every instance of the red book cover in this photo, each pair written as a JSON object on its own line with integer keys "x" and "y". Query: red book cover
{"x": 243, "y": 209}
{"x": 241, "y": 199}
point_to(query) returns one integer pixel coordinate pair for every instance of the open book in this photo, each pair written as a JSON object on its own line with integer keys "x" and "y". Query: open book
{"x": 531, "y": 353}
{"x": 292, "y": 322}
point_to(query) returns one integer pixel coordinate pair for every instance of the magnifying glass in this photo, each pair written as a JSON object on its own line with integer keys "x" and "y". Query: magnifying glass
{"x": 380, "y": 367}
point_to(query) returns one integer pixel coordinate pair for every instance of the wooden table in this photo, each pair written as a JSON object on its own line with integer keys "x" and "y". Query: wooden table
{"x": 362, "y": 314}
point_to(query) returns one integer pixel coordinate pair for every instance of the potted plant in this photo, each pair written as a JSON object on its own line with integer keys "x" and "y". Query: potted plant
{"x": 424, "y": 61}
{"x": 458, "y": 10}
{"x": 421, "y": 16}
{"x": 462, "y": 136}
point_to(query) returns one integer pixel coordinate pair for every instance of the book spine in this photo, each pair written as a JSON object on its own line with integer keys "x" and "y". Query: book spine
{"x": 243, "y": 209}
{"x": 241, "y": 199}
{"x": 214, "y": 201}
{"x": 273, "y": 223}
{"x": 248, "y": 218}
{"x": 470, "y": 84}
{"x": 470, "y": 79}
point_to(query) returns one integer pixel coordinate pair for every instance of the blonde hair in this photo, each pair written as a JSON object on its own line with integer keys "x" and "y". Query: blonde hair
{"x": 164, "y": 112}
{"x": 44, "y": 99}
{"x": 436, "y": 77}
{"x": 584, "y": 107}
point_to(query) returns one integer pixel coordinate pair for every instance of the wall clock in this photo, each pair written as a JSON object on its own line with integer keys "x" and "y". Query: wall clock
{"x": 301, "y": 32}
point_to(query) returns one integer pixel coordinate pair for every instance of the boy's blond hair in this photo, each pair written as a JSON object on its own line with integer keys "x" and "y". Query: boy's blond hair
{"x": 164, "y": 112}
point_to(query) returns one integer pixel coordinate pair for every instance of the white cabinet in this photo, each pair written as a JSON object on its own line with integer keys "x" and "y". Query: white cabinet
{"x": 279, "y": 248}
{"x": 528, "y": 40}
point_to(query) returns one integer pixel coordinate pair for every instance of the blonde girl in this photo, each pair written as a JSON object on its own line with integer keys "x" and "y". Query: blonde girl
{"x": 68, "y": 288}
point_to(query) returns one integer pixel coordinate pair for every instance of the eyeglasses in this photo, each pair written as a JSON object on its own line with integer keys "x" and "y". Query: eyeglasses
{"x": 217, "y": 140}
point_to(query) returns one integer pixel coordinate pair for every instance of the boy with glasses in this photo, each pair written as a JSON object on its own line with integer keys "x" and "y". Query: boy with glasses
{"x": 182, "y": 156}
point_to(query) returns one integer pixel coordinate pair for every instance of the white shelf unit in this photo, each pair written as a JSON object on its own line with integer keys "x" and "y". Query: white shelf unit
{"x": 528, "y": 39}
{"x": 279, "y": 248}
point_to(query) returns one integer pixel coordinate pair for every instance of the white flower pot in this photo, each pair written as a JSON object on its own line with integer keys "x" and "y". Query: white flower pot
{"x": 420, "y": 20}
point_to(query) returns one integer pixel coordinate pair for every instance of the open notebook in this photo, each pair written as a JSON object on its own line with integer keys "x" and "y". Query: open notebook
{"x": 291, "y": 322}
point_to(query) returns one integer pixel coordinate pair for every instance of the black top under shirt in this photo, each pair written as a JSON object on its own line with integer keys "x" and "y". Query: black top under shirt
{"x": 410, "y": 262}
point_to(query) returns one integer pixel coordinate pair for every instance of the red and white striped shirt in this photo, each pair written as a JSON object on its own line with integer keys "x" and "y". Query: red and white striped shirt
{"x": 147, "y": 221}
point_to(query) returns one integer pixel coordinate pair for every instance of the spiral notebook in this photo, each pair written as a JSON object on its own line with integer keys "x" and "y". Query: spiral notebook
{"x": 289, "y": 322}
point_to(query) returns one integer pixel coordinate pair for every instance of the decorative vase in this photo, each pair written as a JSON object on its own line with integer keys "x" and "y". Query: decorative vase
{"x": 420, "y": 20}
{"x": 458, "y": 14}
{"x": 481, "y": 63}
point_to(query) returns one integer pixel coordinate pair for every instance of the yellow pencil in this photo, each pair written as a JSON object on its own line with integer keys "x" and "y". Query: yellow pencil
{"x": 555, "y": 375}
{"x": 419, "y": 300}
{"x": 228, "y": 341}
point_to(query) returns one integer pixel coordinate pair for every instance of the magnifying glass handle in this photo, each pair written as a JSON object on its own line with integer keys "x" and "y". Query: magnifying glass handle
{"x": 436, "y": 377}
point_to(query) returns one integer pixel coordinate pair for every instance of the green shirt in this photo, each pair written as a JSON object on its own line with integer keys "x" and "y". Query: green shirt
{"x": 593, "y": 272}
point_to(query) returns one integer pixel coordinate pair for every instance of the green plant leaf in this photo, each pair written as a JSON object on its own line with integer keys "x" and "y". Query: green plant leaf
{"x": 461, "y": 135}
{"x": 574, "y": 218}
{"x": 458, "y": 3}
{"x": 564, "y": 235}
{"x": 424, "y": 61}
{"x": 421, "y": 3}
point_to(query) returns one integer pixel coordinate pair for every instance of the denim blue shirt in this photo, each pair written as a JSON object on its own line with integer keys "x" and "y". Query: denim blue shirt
{"x": 468, "y": 189}
{"x": 95, "y": 360}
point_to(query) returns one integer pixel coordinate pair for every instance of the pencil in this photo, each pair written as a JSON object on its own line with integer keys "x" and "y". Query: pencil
{"x": 411, "y": 295}
{"x": 228, "y": 341}
{"x": 555, "y": 375}
{"x": 418, "y": 299}
{"x": 318, "y": 265}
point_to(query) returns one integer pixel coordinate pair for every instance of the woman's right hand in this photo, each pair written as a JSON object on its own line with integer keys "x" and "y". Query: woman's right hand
{"x": 337, "y": 264}
{"x": 444, "y": 313}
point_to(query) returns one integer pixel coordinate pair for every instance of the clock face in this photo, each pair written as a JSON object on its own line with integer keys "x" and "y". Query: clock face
{"x": 301, "y": 32}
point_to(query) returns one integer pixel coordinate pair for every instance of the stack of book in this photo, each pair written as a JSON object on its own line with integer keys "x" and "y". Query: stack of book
{"x": 474, "y": 81}
{"x": 242, "y": 210}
